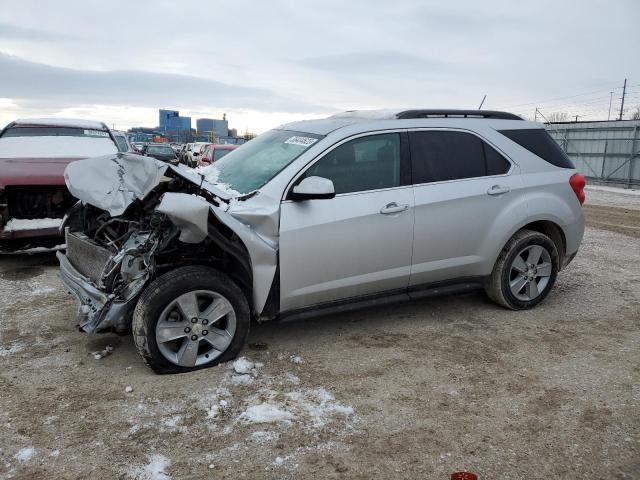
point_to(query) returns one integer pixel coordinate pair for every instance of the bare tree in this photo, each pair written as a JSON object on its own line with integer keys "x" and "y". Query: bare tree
{"x": 636, "y": 114}
{"x": 558, "y": 117}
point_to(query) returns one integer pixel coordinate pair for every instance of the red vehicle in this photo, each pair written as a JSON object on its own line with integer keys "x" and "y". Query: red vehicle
{"x": 213, "y": 152}
{"x": 33, "y": 156}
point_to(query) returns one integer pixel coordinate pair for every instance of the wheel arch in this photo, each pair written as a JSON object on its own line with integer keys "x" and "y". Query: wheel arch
{"x": 546, "y": 225}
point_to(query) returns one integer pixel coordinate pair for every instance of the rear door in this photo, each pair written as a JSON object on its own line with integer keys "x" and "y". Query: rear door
{"x": 462, "y": 187}
{"x": 358, "y": 243}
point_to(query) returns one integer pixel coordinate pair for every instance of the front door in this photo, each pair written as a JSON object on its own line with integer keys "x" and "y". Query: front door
{"x": 358, "y": 243}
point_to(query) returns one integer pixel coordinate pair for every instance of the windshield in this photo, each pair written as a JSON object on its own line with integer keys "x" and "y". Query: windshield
{"x": 256, "y": 162}
{"x": 218, "y": 154}
{"x": 35, "y": 141}
{"x": 152, "y": 149}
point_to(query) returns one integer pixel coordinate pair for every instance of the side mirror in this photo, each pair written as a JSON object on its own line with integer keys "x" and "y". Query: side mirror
{"x": 313, "y": 188}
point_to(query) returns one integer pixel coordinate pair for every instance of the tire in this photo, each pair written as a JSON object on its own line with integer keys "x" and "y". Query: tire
{"x": 504, "y": 285}
{"x": 160, "y": 315}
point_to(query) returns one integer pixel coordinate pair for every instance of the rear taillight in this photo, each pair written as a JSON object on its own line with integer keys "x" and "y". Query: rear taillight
{"x": 578, "y": 183}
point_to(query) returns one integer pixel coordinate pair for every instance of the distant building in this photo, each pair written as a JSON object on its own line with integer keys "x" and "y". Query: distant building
{"x": 209, "y": 126}
{"x": 173, "y": 126}
{"x": 143, "y": 134}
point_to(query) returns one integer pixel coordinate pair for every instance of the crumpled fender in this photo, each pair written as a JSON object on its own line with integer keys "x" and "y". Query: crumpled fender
{"x": 190, "y": 212}
{"x": 264, "y": 257}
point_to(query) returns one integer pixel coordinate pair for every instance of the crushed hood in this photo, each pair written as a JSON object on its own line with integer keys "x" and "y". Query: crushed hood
{"x": 113, "y": 182}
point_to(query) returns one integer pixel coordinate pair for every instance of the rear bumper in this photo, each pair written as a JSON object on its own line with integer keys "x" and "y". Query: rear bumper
{"x": 97, "y": 310}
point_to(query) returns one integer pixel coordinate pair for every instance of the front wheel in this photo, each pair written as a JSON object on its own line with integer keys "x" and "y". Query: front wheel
{"x": 525, "y": 271}
{"x": 190, "y": 318}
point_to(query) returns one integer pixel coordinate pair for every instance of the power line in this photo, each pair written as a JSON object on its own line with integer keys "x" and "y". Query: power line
{"x": 563, "y": 98}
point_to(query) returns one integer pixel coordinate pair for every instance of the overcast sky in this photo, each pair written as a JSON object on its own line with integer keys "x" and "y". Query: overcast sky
{"x": 268, "y": 62}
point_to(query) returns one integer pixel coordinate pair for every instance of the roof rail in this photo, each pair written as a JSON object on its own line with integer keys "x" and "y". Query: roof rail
{"x": 456, "y": 113}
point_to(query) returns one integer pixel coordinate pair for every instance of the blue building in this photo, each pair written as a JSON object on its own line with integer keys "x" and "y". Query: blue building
{"x": 174, "y": 126}
{"x": 208, "y": 126}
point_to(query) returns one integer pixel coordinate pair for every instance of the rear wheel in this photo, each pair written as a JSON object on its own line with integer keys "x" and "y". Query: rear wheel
{"x": 525, "y": 271}
{"x": 190, "y": 318}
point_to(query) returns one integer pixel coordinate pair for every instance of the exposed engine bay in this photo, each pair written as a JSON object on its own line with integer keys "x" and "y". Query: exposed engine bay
{"x": 147, "y": 229}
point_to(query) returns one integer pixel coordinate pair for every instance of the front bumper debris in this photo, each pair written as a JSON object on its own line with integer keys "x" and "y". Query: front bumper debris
{"x": 96, "y": 310}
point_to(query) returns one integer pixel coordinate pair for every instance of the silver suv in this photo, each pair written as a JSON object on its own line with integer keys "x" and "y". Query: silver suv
{"x": 357, "y": 209}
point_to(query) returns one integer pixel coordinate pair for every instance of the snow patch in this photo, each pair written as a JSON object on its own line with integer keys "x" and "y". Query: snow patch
{"x": 241, "y": 379}
{"x": 42, "y": 291}
{"x": 154, "y": 470}
{"x": 172, "y": 422}
{"x": 25, "y": 454}
{"x": 102, "y": 353}
{"x": 262, "y": 436}
{"x": 18, "y": 224}
{"x": 266, "y": 413}
{"x": 32, "y": 250}
{"x": 62, "y": 122}
{"x": 292, "y": 378}
{"x": 243, "y": 365}
{"x": 622, "y": 191}
{"x": 16, "y": 348}
{"x": 297, "y": 359}
{"x": 318, "y": 404}
{"x": 211, "y": 174}
{"x": 379, "y": 114}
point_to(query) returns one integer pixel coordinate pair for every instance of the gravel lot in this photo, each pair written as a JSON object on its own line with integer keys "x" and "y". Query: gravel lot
{"x": 412, "y": 391}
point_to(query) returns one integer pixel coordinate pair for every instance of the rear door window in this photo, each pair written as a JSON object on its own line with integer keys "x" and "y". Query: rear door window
{"x": 438, "y": 156}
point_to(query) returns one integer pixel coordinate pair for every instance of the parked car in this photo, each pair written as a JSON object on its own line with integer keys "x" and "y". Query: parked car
{"x": 213, "y": 152}
{"x": 193, "y": 152}
{"x": 122, "y": 141}
{"x": 33, "y": 156}
{"x": 319, "y": 216}
{"x": 161, "y": 151}
{"x": 182, "y": 155}
{"x": 138, "y": 147}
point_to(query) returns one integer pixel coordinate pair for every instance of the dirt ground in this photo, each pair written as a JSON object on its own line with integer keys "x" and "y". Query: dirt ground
{"x": 415, "y": 391}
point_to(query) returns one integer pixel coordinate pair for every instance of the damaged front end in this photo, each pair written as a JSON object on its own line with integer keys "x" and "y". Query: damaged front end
{"x": 139, "y": 218}
{"x": 108, "y": 274}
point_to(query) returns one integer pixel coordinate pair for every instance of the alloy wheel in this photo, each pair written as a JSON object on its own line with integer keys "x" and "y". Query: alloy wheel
{"x": 195, "y": 328}
{"x": 530, "y": 272}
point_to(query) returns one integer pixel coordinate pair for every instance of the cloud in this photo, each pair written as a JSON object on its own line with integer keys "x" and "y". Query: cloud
{"x": 368, "y": 63}
{"x": 58, "y": 86}
{"x": 20, "y": 33}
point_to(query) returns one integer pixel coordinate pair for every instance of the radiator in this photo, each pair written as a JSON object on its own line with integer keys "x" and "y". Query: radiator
{"x": 87, "y": 257}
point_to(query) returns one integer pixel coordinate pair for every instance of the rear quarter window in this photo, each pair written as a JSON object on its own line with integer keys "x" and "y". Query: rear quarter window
{"x": 541, "y": 144}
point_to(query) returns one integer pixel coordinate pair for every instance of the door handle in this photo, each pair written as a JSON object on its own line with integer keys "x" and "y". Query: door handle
{"x": 498, "y": 190}
{"x": 393, "y": 207}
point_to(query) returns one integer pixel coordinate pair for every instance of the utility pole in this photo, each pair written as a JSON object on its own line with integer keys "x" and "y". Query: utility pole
{"x": 610, "y": 100}
{"x": 577, "y": 118}
{"x": 535, "y": 117}
{"x": 482, "y": 102}
{"x": 624, "y": 91}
